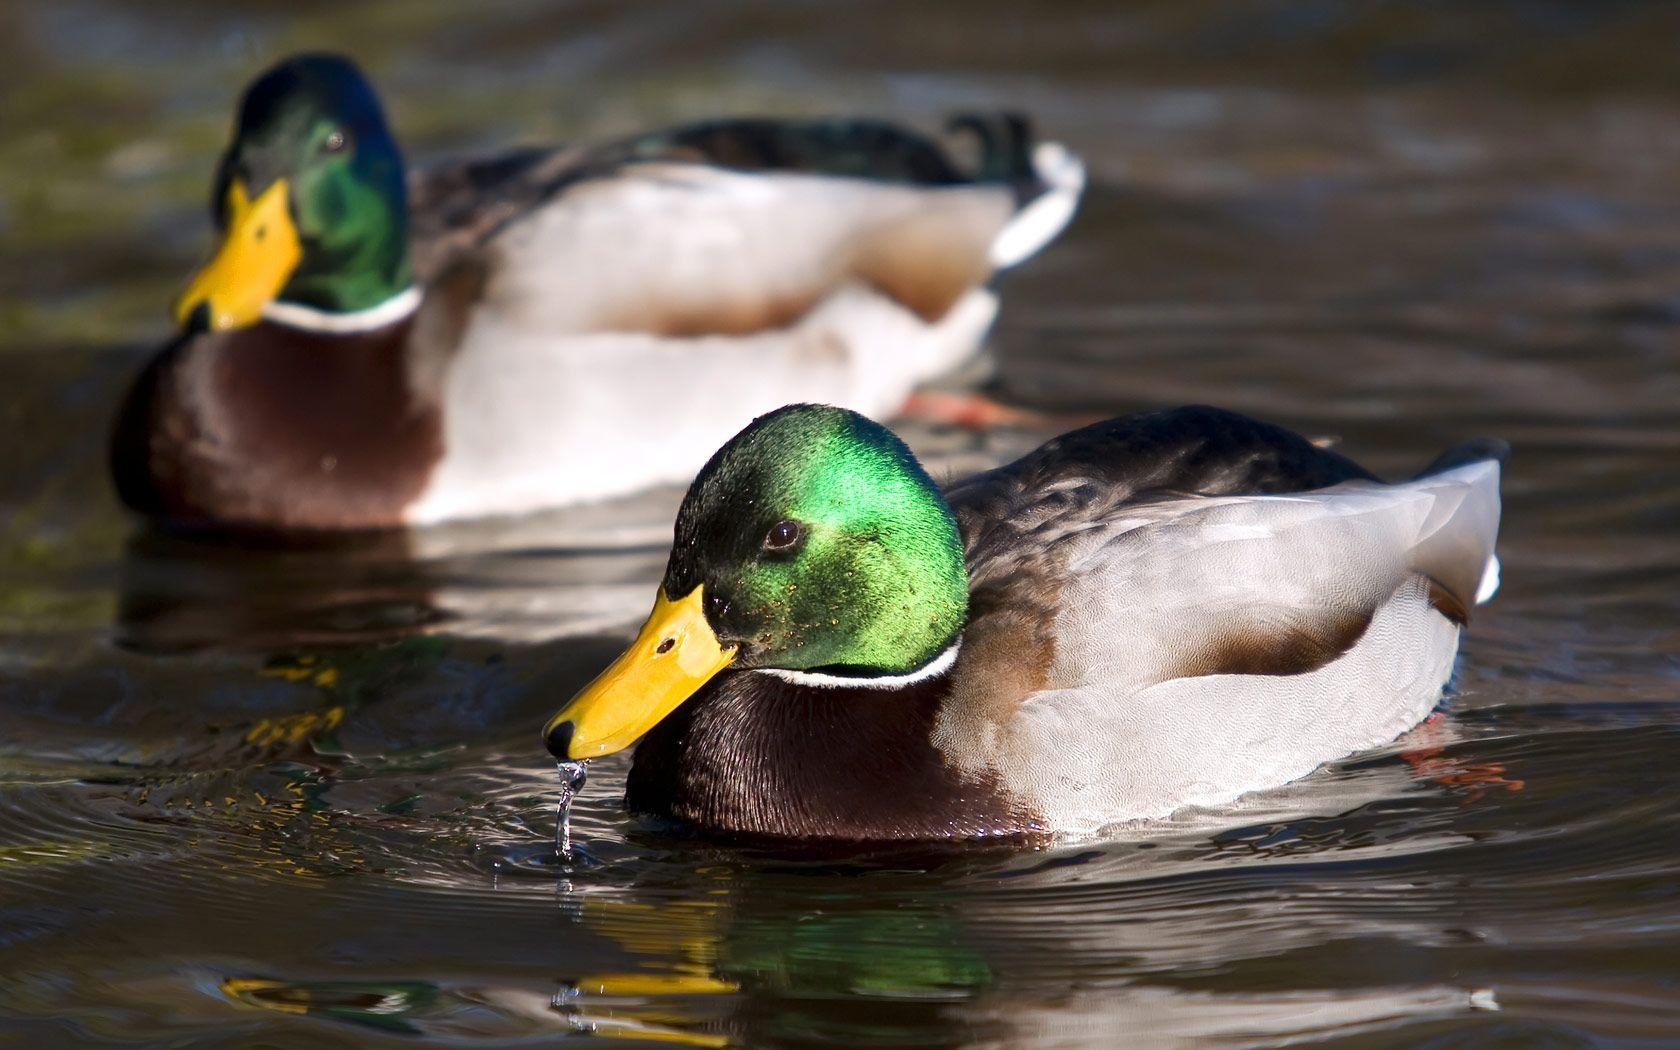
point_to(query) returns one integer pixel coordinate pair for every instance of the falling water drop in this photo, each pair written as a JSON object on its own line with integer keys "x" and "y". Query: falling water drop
{"x": 572, "y": 776}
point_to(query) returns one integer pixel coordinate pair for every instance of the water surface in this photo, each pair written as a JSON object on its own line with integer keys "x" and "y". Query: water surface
{"x": 296, "y": 797}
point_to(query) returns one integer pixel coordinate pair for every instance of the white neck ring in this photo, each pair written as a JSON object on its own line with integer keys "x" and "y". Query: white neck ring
{"x": 932, "y": 669}
{"x": 310, "y": 319}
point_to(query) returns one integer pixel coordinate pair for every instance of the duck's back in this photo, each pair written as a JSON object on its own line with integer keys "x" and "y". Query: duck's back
{"x": 732, "y": 226}
{"x": 717, "y": 271}
{"x": 1194, "y": 605}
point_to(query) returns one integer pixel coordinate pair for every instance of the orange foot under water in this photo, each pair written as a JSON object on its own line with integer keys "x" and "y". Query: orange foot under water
{"x": 1429, "y": 760}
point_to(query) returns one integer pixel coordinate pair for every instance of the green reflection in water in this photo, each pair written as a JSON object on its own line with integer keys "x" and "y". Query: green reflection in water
{"x": 780, "y": 968}
{"x": 387, "y": 1005}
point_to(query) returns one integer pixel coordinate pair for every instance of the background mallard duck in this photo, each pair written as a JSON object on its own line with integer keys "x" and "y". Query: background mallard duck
{"x": 553, "y": 326}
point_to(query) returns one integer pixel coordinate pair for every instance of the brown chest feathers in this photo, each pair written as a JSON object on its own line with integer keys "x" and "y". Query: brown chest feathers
{"x": 276, "y": 427}
{"x": 755, "y": 756}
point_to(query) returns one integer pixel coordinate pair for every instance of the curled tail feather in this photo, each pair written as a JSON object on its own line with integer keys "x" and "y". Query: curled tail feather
{"x": 1047, "y": 178}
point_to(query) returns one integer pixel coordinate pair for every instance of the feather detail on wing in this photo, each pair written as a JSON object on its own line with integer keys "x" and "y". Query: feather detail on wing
{"x": 1266, "y": 584}
{"x": 1087, "y": 758}
{"x": 1203, "y": 648}
{"x": 1175, "y": 608}
{"x": 1196, "y": 542}
{"x": 739, "y": 226}
{"x": 690, "y": 250}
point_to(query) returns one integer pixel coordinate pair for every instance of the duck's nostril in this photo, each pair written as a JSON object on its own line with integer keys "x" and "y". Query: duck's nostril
{"x": 559, "y": 740}
{"x": 665, "y": 646}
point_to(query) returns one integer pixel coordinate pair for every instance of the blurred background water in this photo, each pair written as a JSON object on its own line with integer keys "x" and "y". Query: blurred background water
{"x": 296, "y": 797}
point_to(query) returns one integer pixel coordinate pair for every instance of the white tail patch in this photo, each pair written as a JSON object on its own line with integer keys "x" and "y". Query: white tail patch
{"x": 1039, "y": 222}
{"x": 1490, "y": 581}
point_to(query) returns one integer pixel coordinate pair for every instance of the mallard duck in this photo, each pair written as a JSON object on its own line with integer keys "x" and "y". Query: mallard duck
{"x": 365, "y": 351}
{"x": 1150, "y": 613}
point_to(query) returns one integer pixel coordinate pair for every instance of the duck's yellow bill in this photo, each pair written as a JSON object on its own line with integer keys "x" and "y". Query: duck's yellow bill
{"x": 258, "y": 253}
{"x": 674, "y": 655}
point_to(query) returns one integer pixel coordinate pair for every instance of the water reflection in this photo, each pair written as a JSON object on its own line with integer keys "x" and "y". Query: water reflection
{"x": 975, "y": 964}
{"x": 384, "y": 1005}
{"x": 181, "y": 593}
{"x": 518, "y": 580}
{"x": 416, "y": 891}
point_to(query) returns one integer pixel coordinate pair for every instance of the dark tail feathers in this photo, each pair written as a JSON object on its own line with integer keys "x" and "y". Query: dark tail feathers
{"x": 1473, "y": 451}
{"x": 1006, "y": 142}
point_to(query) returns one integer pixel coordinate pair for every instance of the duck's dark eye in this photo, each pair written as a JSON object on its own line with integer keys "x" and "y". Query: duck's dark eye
{"x": 783, "y": 536}
{"x": 717, "y": 605}
{"x": 336, "y": 141}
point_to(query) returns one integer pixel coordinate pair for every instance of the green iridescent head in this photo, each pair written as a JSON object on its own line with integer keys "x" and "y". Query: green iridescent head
{"x": 822, "y": 545}
{"x": 310, "y": 199}
{"x": 812, "y": 542}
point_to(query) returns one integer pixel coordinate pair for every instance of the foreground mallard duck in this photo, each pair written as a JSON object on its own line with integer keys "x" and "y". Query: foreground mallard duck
{"x": 1150, "y": 613}
{"x": 368, "y": 352}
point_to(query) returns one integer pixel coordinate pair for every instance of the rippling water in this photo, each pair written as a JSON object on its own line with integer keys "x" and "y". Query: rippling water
{"x": 296, "y": 797}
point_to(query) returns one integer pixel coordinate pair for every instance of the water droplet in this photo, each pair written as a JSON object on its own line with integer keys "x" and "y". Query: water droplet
{"x": 572, "y": 777}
